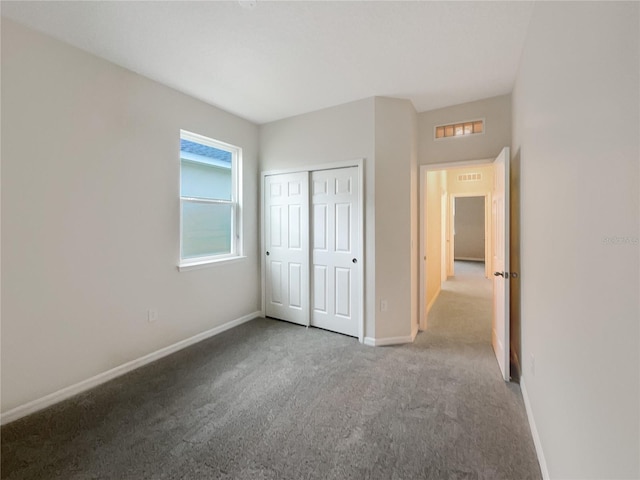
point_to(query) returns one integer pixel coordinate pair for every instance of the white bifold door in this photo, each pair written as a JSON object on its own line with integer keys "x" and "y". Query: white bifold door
{"x": 329, "y": 296}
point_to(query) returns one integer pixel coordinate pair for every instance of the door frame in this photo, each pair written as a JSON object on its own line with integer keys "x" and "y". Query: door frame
{"x": 487, "y": 230}
{"x": 422, "y": 212}
{"x": 359, "y": 163}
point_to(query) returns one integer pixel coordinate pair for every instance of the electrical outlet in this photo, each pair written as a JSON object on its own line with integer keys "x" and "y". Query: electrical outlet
{"x": 384, "y": 306}
{"x": 152, "y": 315}
{"x": 532, "y": 365}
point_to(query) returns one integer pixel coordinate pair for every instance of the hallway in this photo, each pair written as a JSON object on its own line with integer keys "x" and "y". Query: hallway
{"x": 463, "y": 309}
{"x": 488, "y": 414}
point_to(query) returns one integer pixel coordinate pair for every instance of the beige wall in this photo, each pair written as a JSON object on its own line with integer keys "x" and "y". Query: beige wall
{"x": 436, "y": 184}
{"x": 396, "y": 245}
{"x": 90, "y": 218}
{"x": 345, "y": 132}
{"x": 383, "y": 132}
{"x": 576, "y": 135}
{"x": 457, "y": 187}
{"x": 497, "y": 114}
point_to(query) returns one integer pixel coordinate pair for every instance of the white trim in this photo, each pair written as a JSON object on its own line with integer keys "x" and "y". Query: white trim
{"x": 534, "y": 431}
{"x": 356, "y": 162}
{"x": 70, "y": 391}
{"x": 199, "y": 263}
{"x": 382, "y": 342}
{"x": 208, "y": 141}
{"x": 465, "y": 163}
{"x": 423, "y": 309}
{"x": 361, "y": 215}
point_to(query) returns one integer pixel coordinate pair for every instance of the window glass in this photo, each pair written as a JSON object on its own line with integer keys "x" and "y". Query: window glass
{"x": 209, "y": 206}
{"x": 459, "y": 129}
{"x": 206, "y": 229}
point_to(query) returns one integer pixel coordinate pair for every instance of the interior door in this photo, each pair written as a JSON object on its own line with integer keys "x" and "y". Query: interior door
{"x": 500, "y": 211}
{"x": 336, "y": 257}
{"x": 286, "y": 212}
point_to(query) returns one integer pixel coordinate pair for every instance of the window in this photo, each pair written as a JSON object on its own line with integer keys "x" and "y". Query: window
{"x": 459, "y": 129}
{"x": 209, "y": 200}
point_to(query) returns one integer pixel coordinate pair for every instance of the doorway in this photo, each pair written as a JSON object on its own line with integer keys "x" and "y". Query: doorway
{"x": 449, "y": 183}
{"x": 440, "y": 187}
{"x": 469, "y": 235}
{"x": 469, "y": 220}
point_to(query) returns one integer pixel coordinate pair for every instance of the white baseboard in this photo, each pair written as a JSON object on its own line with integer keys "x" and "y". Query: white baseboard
{"x": 534, "y": 431}
{"x": 70, "y": 391}
{"x": 382, "y": 342}
{"x": 470, "y": 259}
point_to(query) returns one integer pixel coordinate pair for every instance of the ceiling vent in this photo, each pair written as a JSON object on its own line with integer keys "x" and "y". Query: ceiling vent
{"x": 470, "y": 177}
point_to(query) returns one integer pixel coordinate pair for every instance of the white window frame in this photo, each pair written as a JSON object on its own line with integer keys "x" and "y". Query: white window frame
{"x": 235, "y": 203}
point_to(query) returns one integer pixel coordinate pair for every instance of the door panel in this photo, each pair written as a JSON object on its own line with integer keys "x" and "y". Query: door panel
{"x": 276, "y": 283}
{"x": 295, "y": 281}
{"x": 287, "y": 247}
{"x": 295, "y": 240}
{"x": 500, "y": 262}
{"x": 343, "y": 228}
{"x": 343, "y": 292}
{"x": 335, "y": 221}
{"x": 320, "y": 227}
{"x": 320, "y": 288}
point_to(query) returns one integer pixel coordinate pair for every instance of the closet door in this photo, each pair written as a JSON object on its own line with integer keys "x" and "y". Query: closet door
{"x": 286, "y": 211}
{"x": 336, "y": 256}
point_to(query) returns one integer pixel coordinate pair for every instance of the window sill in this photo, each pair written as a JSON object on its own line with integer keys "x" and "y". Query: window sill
{"x": 209, "y": 263}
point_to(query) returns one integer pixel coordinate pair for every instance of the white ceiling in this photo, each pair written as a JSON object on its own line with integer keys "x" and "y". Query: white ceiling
{"x": 281, "y": 59}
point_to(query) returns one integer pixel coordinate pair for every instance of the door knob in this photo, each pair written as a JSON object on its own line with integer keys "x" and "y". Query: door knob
{"x": 355, "y": 260}
{"x": 268, "y": 254}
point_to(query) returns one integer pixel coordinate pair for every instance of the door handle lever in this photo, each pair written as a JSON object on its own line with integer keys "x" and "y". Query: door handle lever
{"x": 501, "y": 274}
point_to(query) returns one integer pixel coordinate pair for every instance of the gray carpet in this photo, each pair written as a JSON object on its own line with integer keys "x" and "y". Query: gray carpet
{"x": 271, "y": 400}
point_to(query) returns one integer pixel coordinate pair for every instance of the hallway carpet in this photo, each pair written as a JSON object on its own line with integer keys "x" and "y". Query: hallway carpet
{"x": 271, "y": 400}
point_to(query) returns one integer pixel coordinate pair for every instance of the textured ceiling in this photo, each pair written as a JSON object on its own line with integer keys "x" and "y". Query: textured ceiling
{"x": 280, "y": 59}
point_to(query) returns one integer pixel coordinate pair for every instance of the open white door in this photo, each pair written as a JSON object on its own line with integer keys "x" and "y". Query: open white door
{"x": 500, "y": 211}
{"x": 286, "y": 222}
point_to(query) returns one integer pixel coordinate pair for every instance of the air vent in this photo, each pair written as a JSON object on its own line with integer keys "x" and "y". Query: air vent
{"x": 461, "y": 129}
{"x": 470, "y": 177}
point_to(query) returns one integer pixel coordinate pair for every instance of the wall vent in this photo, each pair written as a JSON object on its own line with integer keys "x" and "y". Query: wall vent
{"x": 470, "y": 177}
{"x": 460, "y": 129}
